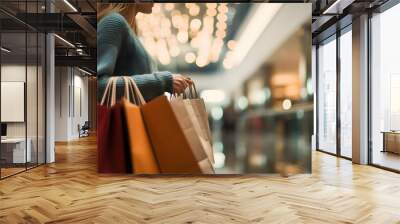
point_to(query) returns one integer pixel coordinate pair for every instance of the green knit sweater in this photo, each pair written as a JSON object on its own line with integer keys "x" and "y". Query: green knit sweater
{"x": 120, "y": 53}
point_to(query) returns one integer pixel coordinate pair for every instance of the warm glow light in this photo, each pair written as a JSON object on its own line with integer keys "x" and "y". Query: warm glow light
{"x": 182, "y": 37}
{"x": 231, "y": 44}
{"x": 169, "y": 6}
{"x": 286, "y": 104}
{"x": 227, "y": 64}
{"x": 174, "y": 51}
{"x": 211, "y": 5}
{"x": 156, "y": 8}
{"x": 201, "y": 62}
{"x": 166, "y": 32}
{"x": 220, "y": 33}
{"x": 177, "y": 20}
{"x": 190, "y": 57}
{"x": 222, "y": 17}
{"x": 213, "y": 96}
{"x": 208, "y": 22}
{"x": 162, "y": 52}
{"x": 185, "y": 22}
{"x": 221, "y": 25}
{"x": 194, "y": 11}
{"x": 281, "y": 79}
{"x": 211, "y": 12}
{"x": 166, "y": 23}
{"x": 223, "y": 8}
{"x": 258, "y": 160}
{"x": 195, "y": 24}
{"x": 175, "y": 12}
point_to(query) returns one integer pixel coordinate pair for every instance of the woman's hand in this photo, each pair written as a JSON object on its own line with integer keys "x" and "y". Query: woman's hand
{"x": 180, "y": 83}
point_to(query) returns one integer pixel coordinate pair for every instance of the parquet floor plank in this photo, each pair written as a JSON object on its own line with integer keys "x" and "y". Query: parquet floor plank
{"x": 71, "y": 191}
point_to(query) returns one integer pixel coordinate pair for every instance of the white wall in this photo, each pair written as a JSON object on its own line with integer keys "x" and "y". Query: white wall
{"x": 16, "y": 73}
{"x": 71, "y": 93}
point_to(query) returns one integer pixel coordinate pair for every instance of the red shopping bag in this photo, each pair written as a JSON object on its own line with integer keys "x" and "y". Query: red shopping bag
{"x": 112, "y": 140}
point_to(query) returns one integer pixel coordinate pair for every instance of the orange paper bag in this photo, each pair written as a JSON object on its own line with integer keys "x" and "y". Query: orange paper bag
{"x": 142, "y": 155}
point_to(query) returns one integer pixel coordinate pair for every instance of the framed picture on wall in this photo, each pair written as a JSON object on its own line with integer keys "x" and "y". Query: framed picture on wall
{"x": 12, "y": 101}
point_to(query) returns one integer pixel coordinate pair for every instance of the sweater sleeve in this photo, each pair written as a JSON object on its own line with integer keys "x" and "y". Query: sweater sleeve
{"x": 155, "y": 84}
{"x": 111, "y": 32}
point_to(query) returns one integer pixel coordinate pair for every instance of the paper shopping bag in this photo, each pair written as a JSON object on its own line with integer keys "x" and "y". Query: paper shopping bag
{"x": 112, "y": 141}
{"x": 174, "y": 137}
{"x": 201, "y": 133}
{"x": 198, "y": 113}
{"x": 142, "y": 155}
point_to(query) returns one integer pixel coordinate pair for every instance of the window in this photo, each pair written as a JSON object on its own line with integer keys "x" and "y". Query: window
{"x": 327, "y": 96}
{"x": 385, "y": 89}
{"x": 346, "y": 93}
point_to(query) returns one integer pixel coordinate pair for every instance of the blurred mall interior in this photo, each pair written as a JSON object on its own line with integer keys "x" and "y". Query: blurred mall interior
{"x": 252, "y": 70}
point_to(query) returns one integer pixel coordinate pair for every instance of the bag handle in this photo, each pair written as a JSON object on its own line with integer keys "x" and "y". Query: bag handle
{"x": 138, "y": 93}
{"x": 193, "y": 92}
{"x": 130, "y": 90}
{"x": 134, "y": 89}
{"x": 190, "y": 93}
{"x": 113, "y": 96}
{"x": 126, "y": 87}
{"x": 109, "y": 95}
{"x": 106, "y": 91}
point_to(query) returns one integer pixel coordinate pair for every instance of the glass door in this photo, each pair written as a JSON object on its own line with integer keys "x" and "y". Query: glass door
{"x": 22, "y": 89}
{"x": 14, "y": 144}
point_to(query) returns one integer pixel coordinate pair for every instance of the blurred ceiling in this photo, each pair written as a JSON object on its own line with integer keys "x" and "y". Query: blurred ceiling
{"x": 191, "y": 37}
{"x": 285, "y": 22}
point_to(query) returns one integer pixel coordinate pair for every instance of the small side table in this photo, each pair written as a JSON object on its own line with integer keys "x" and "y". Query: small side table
{"x": 391, "y": 141}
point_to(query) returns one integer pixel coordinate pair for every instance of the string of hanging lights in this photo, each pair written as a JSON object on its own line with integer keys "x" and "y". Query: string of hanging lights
{"x": 195, "y": 32}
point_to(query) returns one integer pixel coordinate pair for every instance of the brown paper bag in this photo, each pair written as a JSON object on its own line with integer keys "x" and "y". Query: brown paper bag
{"x": 142, "y": 154}
{"x": 175, "y": 141}
{"x": 195, "y": 105}
{"x": 199, "y": 128}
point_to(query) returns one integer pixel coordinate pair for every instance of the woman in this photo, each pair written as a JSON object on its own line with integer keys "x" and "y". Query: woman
{"x": 120, "y": 53}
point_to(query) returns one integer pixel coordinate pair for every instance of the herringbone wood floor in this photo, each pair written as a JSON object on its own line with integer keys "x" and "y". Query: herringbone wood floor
{"x": 70, "y": 191}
